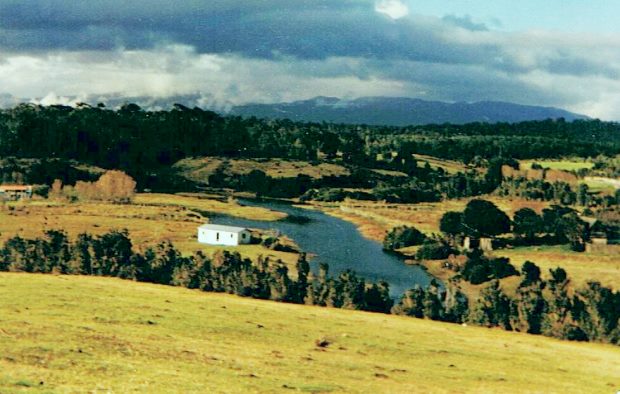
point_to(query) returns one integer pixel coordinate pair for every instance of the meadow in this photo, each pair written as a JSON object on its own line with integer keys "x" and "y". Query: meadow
{"x": 450, "y": 166}
{"x": 602, "y": 184}
{"x": 150, "y": 219}
{"x": 581, "y": 267}
{"x": 199, "y": 169}
{"x": 64, "y": 334}
{"x": 374, "y": 219}
{"x": 564, "y": 165}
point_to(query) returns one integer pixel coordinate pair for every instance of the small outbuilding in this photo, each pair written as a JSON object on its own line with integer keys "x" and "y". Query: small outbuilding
{"x": 15, "y": 192}
{"x": 216, "y": 234}
{"x": 484, "y": 244}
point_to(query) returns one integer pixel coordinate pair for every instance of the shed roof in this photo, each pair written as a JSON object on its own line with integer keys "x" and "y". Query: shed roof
{"x": 223, "y": 228}
{"x": 15, "y": 187}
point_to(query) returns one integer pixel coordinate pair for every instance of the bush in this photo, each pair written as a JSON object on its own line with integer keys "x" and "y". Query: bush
{"x": 401, "y": 237}
{"x": 479, "y": 269}
{"x": 478, "y": 274}
{"x": 434, "y": 250}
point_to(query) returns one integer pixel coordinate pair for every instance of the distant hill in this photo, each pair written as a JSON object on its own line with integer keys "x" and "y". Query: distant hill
{"x": 392, "y": 111}
{"x": 399, "y": 111}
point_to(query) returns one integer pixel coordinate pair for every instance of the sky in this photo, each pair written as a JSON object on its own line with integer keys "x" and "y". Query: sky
{"x": 561, "y": 53}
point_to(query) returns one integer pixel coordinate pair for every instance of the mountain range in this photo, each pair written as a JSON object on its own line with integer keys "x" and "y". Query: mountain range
{"x": 391, "y": 111}
{"x": 401, "y": 111}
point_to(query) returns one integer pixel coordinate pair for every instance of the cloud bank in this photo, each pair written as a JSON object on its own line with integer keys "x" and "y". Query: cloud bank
{"x": 276, "y": 50}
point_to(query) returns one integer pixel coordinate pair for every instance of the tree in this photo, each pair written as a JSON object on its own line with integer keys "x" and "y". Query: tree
{"x": 530, "y": 273}
{"x": 493, "y": 307}
{"x": 483, "y": 218}
{"x": 432, "y": 305}
{"x": 116, "y": 186}
{"x": 303, "y": 269}
{"x": 329, "y": 144}
{"x": 451, "y": 223}
{"x": 527, "y": 223}
{"x": 411, "y": 303}
{"x": 403, "y": 236}
{"x": 582, "y": 195}
{"x": 570, "y": 228}
{"x": 434, "y": 249}
{"x": 531, "y": 308}
{"x": 377, "y": 298}
{"x": 479, "y": 269}
{"x": 56, "y": 190}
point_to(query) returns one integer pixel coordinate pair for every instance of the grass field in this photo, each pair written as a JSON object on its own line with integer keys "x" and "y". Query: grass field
{"x": 65, "y": 334}
{"x": 450, "y": 166}
{"x": 150, "y": 219}
{"x": 375, "y": 219}
{"x": 602, "y": 184}
{"x": 581, "y": 267}
{"x": 564, "y": 165}
{"x": 199, "y": 169}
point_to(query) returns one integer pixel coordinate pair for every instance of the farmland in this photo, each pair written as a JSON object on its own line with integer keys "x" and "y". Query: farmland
{"x": 449, "y": 166}
{"x": 581, "y": 267}
{"x": 374, "y": 219}
{"x": 150, "y": 219}
{"x": 575, "y": 164}
{"x": 199, "y": 169}
{"x": 122, "y": 336}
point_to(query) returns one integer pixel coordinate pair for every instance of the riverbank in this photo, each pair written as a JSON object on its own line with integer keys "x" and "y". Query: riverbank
{"x": 149, "y": 219}
{"x": 336, "y": 242}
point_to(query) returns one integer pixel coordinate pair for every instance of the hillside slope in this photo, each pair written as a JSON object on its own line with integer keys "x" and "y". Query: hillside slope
{"x": 87, "y": 334}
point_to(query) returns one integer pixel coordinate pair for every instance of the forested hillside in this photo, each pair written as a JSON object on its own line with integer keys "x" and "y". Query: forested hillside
{"x": 139, "y": 140}
{"x": 146, "y": 144}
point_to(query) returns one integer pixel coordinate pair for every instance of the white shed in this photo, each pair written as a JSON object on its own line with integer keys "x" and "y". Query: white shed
{"x": 216, "y": 234}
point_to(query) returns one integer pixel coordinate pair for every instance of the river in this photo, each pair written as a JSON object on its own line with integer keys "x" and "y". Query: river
{"x": 338, "y": 243}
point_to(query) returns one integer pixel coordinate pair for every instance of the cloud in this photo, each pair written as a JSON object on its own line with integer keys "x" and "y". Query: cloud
{"x": 274, "y": 50}
{"x": 466, "y": 22}
{"x": 395, "y": 9}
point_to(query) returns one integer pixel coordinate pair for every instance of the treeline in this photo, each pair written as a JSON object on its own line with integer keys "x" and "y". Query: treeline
{"x": 112, "y": 254}
{"x": 548, "y": 307}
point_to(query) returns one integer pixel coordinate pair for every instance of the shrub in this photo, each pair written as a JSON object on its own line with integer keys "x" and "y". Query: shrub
{"x": 434, "y": 250}
{"x": 401, "y": 237}
{"x": 479, "y": 269}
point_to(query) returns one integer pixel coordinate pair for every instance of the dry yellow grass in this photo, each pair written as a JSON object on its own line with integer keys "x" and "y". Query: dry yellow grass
{"x": 151, "y": 219}
{"x": 69, "y": 334}
{"x": 374, "y": 219}
{"x": 449, "y": 166}
{"x": 199, "y": 169}
{"x": 581, "y": 267}
{"x": 208, "y": 205}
